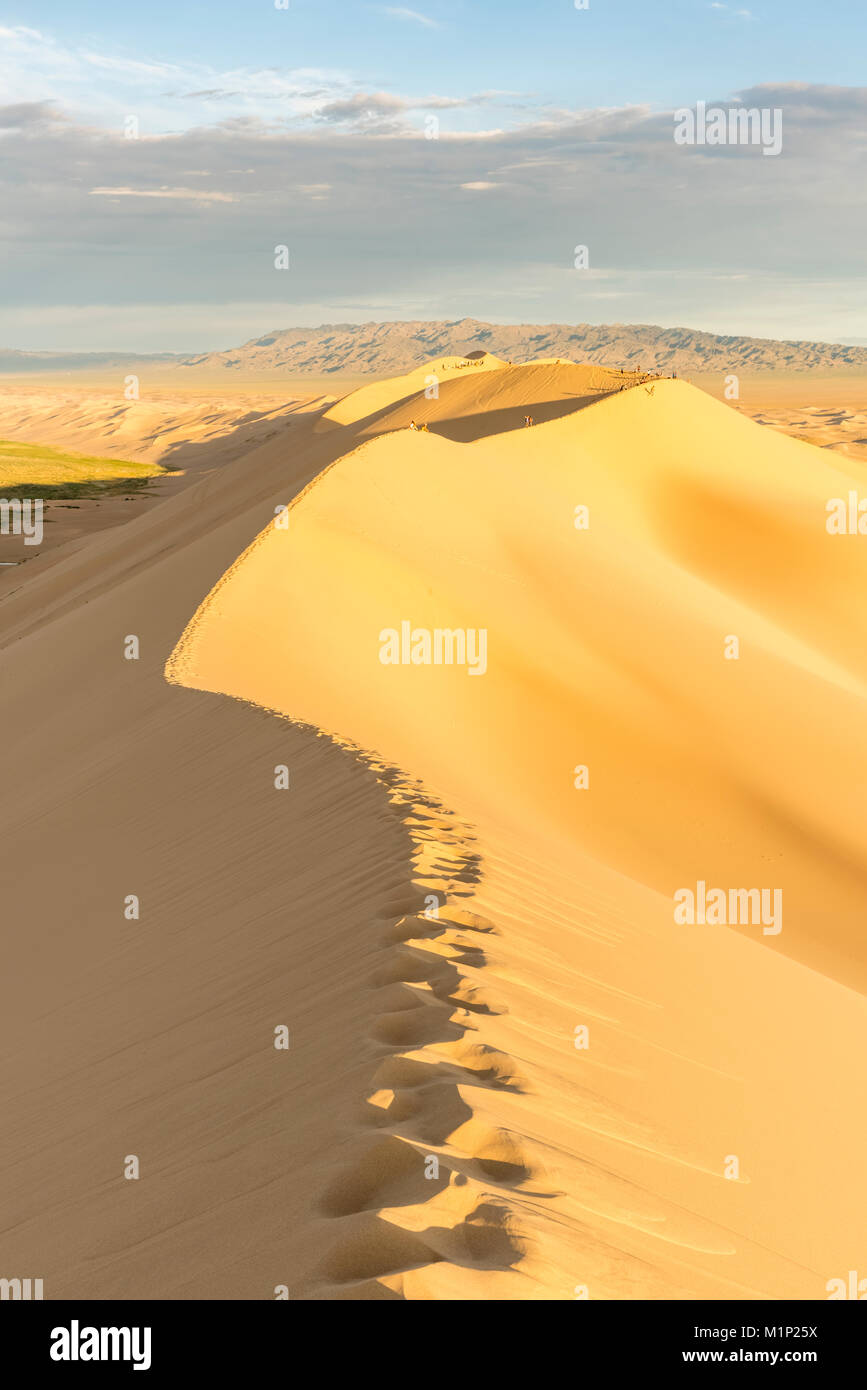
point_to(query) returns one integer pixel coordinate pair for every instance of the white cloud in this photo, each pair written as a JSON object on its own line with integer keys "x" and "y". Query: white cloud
{"x": 104, "y": 88}
{"x": 738, "y": 14}
{"x": 18, "y": 33}
{"x": 193, "y": 195}
{"x": 397, "y": 12}
{"x": 387, "y": 220}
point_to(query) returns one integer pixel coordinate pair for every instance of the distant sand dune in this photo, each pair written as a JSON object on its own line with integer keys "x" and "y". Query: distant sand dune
{"x": 163, "y": 427}
{"x": 185, "y": 436}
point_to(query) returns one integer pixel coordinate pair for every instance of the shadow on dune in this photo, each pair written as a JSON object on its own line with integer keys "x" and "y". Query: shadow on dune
{"x": 454, "y": 416}
{"x": 249, "y": 432}
{"x": 466, "y": 428}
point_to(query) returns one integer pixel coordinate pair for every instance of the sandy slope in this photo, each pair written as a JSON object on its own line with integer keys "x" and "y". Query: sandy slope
{"x": 187, "y": 435}
{"x": 605, "y": 648}
{"x": 471, "y": 404}
{"x": 607, "y": 645}
{"x": 155, "y": 1037}
{"x": 370, "y": 400}
{"x": 449, "y": 1037}
{"x": 164, "y": 426}
{"x": 840, "y": 427}
{"x": 828, "y": 411}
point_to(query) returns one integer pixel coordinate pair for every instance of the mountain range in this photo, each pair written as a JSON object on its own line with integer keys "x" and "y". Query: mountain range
{"x": 394, "y": 347}
{"x": 398, "y": 347}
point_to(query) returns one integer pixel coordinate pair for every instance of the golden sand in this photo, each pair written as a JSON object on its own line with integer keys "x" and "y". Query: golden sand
{"x": 513, "y": 1074}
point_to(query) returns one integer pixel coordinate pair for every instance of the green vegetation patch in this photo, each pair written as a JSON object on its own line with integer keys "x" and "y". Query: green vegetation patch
{"x": 34, "y": 470}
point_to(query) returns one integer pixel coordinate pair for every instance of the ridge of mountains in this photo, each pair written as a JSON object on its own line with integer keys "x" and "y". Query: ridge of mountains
{"x": 395, "y": 347}
{"x": 399, "y": 346}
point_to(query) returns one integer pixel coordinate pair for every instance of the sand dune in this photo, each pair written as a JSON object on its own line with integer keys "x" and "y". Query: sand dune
{"x": 185, "y": 435}
{"x": 370, "y": 400}
{"x": 163, "y": 426}
{"x": 605, "y": 648}
{"x": 432, "y": 908}
{"x": 469, "y": 406}
{"x": 840, "y": 428}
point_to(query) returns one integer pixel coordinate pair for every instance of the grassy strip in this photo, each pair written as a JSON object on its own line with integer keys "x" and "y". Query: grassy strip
{"x": 34, "y": 470}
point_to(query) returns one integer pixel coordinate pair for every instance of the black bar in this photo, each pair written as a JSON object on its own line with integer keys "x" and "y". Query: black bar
{"x": 222, "y": 1339}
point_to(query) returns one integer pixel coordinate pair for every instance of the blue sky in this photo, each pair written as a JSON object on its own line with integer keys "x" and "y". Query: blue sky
{"x": 258, "y": 126}
{"x": 669, "y": 52}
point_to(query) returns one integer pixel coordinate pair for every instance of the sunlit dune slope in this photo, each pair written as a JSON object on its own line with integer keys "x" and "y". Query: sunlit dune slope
{"x": 605, "y": 646}
{"x": 433, "y": 1131}
{"x": 379, "y": 395}
{"x": 470, "y": 406}
{"x": 694, "y": 1145}
{"x": 467, "y": 398}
